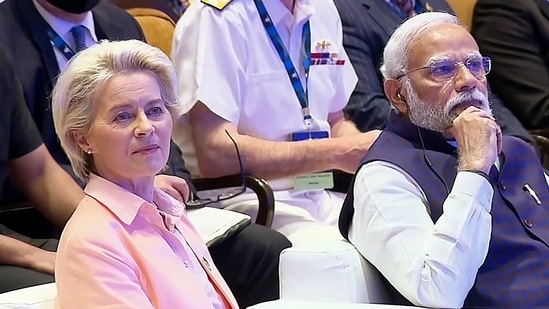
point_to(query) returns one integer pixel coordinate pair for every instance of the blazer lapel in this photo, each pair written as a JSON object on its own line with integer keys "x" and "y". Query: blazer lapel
{"x": 543, "y": 6}
{"x": 383, "y": 14}
{"x": 35, "y": 26}
{"x": 105, "y": 29}
{"x": 205, "y": 261}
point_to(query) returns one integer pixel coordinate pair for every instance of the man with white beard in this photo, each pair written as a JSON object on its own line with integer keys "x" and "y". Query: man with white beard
{"x": 450, "y": 212}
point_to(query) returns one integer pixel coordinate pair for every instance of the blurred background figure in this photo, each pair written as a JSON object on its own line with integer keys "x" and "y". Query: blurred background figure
{"x": 27, "y": 260}
{"x": 515, "y": 34}
{"x": 367, "y": 26}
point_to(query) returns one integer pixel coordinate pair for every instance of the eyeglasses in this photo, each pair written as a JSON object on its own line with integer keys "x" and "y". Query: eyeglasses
{"x": 201, "y": 202}
{"x": 445, "y": 70}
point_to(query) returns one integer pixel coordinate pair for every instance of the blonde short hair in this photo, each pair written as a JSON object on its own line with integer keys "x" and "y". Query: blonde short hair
{"x": 76, "y": 90}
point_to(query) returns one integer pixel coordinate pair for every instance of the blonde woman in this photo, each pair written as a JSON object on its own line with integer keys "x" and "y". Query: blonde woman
{"x": 128, "y": 244}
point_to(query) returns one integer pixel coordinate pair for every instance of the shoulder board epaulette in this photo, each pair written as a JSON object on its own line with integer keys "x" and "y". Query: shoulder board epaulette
{"x": 218, "y": 4}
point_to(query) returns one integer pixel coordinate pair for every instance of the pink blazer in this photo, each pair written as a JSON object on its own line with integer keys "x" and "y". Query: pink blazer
{"x": 117, "y": 251}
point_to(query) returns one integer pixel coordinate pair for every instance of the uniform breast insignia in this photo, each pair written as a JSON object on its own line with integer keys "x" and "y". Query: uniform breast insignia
{"x": 323, "y": 54}
{"x": 218, "y": 4}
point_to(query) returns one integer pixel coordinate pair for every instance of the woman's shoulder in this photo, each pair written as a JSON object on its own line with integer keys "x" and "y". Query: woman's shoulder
{"x": 91, "y": 220}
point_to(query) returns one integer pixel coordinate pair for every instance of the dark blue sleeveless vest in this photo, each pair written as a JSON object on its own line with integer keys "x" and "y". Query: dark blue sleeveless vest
{"x": 515, "y": 273}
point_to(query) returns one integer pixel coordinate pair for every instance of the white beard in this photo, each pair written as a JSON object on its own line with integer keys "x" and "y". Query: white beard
{"x": 435, "y": 118}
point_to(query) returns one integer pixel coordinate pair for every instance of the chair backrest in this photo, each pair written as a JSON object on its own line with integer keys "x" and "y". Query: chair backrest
{"x": 158, "y": 27}
{"x": 464, "y": 10}
{"x": 161, "y": 5}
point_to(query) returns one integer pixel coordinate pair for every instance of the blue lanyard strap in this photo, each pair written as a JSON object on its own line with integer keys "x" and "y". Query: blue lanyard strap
{"x": 300, "y": 91}
{"x": 59, "y": 43}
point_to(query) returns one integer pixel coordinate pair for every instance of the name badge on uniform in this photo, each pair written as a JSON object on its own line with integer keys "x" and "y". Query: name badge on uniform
{"x": 322, "y": 180}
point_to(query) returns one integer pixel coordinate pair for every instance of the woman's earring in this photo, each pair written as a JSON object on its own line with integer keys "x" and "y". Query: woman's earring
{"x": 89, "y": 151}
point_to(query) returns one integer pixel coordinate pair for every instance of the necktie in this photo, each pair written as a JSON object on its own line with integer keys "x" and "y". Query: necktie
{"x": 79, "y": 36}
{"x": 406, "y": 7}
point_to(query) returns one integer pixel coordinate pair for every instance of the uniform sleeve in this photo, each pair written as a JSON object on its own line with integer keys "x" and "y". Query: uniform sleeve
{"x": 23, "y": 134}
{"x": 208, "y": 54}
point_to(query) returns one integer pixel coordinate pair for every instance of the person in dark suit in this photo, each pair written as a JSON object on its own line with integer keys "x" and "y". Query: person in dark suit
{"x": 28, "y": 32}
{"x": 515, "y": 34}
{"x": 38, "y": 63}
{"x": 367, "y": 26}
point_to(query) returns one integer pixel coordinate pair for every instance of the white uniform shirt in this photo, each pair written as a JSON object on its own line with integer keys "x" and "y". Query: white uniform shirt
{"x": 432, "y": 265}
{"x": 226, "y": 60}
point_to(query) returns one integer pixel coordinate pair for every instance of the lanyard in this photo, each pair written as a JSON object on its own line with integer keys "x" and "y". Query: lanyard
{"x": 300, "y": 91}
{"x": 59, "y": 43}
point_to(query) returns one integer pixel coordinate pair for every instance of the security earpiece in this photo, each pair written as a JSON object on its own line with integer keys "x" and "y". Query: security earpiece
{"x": 401, "y": 97}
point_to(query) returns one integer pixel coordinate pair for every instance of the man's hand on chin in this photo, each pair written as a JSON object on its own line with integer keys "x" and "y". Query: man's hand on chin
{"x": 478, "y": 139}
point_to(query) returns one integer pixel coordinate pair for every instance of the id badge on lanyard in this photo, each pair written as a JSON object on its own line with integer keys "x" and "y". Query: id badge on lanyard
{"x": 323, "y": 180}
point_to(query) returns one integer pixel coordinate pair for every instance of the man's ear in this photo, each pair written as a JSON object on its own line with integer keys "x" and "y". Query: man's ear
{"x": 393, "y": 91}
{"x": 82, "y": 141}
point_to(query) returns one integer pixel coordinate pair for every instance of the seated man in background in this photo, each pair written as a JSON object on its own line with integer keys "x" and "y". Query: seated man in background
{"x": 283, "y": 106}
{"x": 27, "y": 31}
{"x": 24, "y": 261}
{"x": 25, "y": 28}
{"x": 367, "y": 26}
{"x": 515, "y": 35}
{"x": 450, "y": 212}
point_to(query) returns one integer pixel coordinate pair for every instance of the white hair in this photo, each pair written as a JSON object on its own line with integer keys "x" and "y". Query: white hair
{"x": 77, "y": 88}
{"x": 397, "y": 50}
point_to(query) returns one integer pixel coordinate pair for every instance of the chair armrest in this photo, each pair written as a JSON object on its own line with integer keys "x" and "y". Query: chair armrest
{"x": 260, "y": 187}
{"x": 542, "y": 139}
